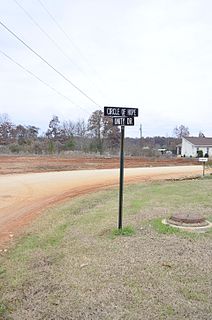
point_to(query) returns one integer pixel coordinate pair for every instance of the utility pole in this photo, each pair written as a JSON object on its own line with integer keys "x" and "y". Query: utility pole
{"x": 140, "y": 139}
{"x": 140, "y": 131}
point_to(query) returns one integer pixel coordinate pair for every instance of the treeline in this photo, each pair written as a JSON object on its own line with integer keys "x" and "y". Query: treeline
{"x": 97, "y": 135}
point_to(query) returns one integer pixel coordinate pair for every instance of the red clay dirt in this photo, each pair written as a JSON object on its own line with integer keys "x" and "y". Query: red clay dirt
{"x": 24, "y": 195}
{"x": 24, "y": 164}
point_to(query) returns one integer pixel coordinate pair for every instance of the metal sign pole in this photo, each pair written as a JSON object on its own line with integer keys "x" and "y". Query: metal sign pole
{"x": 121, "y": 183}
{"x": 121, "y": 117}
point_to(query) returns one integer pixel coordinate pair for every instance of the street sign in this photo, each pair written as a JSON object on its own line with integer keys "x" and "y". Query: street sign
{"x": 123, "y": 121}
{"x": 121, "y": 117}
{"x": 203, "y": 159}
{"x": 120, "y": 112}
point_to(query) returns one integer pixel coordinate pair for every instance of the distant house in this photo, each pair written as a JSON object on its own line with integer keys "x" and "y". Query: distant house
{"x": 191, "y": 145}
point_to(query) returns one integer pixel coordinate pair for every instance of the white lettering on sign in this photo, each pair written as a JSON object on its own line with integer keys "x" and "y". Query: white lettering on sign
{"x": 131, "y": 112}
{"x": 124, "y": 121}
{"x": 123, "y": 112}
{"x": 203, "y": 159}
{"x": 113, "y": 112}
{"x": 120, "y": 112}
{"x": 119, "y": 121}
{"x": 129, "y": 121}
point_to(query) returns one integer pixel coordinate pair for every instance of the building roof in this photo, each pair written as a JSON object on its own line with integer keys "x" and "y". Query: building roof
{"x": 199, "y": 141}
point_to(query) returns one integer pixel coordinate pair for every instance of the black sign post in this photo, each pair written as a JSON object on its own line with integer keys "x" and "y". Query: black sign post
{"x": 121, "y": 178}
{"x": 121, "y": 117}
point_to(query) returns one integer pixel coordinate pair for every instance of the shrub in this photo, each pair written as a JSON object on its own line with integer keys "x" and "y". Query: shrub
{"x": 199, "y": 153}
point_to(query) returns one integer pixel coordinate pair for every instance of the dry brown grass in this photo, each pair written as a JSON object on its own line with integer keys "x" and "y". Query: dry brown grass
{"x": 71, "y": 266}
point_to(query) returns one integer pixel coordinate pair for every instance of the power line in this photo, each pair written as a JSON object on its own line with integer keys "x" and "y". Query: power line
{"x": 49, "y": 37}
{"x": 46, "y": 62}
{"x": 67, "y": 35}
{"x": 39, "y": 79}
{"x": 43, "y": 31}
{"x": 61, "y": 29}
{"x": 32, "y": 74}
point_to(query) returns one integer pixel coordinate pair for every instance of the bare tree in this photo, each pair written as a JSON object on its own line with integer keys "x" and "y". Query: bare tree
{"x": 201, "y": 134}
{"x": 55, "y": 131}
{"x": 181, "y": 131}
{"x": 95, "y": 124}
{"x": 80, "y": 128}
{"x": 68, "y": 128}
{"x": 20, "y": 134}
{"x": 95, "y": 128}
{"x": 6, "y": 129}
{"x": 111, "y": 133}
{"x": 103, "y": 132}
{"x": 4, "y": 118}
{"x": 32, "y": 132}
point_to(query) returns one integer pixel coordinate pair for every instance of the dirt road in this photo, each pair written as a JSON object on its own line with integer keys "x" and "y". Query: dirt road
{"x": 24, "y": 196}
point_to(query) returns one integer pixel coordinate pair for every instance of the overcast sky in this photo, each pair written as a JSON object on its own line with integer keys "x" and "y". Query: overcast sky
{"x": 155, "y": 55}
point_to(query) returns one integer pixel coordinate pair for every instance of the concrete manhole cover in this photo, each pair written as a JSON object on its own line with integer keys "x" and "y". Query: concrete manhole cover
{"x": 189, "y": 222}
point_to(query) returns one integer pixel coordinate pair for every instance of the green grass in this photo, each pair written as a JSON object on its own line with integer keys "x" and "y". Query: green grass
{"x": 77, "y": 246}
{"x": 2, "y": 271}
{"x": 126, "y": 231}
{"x": 43, "y": 240}
{"x": 167, "y": 311}
{"x": 163, "y": 228}
{"x": 194, "y": 295}
{"x": 169, "y": 195}
{"x": 2, "y": 309}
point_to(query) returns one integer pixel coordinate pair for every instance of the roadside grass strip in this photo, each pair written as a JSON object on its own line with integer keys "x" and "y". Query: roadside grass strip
{"x": 73, "y": 263}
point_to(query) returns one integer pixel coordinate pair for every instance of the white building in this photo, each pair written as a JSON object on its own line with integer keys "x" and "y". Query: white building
{"x": 191, "y": 146}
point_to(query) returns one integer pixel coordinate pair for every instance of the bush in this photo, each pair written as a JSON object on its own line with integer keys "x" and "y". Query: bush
{"x": 51, "y": 147}
{"x": 15, "y": 148}
{"x": 199, "y": 153}
{"x": 69, "y": 145}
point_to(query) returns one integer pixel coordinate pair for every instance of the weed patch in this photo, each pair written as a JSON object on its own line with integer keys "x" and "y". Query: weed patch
{"x": 194, "y": 295}
{"x": 163, "y": 228}
{"x": 126, "y": 231}
{"x": 2, "y": 309}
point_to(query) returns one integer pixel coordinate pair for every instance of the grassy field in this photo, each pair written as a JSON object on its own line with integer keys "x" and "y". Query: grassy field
{"x": 73, "y": 264}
